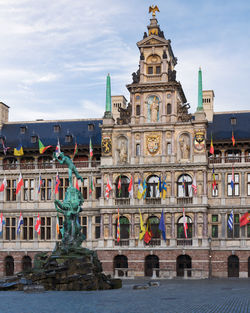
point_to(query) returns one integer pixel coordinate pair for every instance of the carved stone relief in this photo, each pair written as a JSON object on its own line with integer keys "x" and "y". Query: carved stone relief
{"x": 184, "y": 144}
{"x": 122, "y": 150}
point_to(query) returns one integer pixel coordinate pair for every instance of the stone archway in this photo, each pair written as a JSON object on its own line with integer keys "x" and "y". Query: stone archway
{"x": 26, "y": 263}
{"x": 9, "y": 266}
{"x": 233, "y": 266}
{"x": 151, "y": 261}
{"x": 120, "y": 261}
{"x": 182, "y": 262}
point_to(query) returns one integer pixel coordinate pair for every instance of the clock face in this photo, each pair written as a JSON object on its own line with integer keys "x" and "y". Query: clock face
{"x": 106, "y": 145}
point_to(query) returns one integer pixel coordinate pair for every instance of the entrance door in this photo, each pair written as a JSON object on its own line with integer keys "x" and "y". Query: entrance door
{"x": 26, "y": 263}
{"x": 151, "y": 261}
{"x": 233, "y": 266}
{"x": 120, "y": 261}
{"x": 183, "y": 261}
{"x": 9, "y": 266}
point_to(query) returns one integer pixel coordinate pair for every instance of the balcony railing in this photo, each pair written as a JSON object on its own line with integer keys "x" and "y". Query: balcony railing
{"x": 228, "y": 159}
{"x": 153, "y": 200}
{"x": 122, "y": 201}
{"x": 122, "y": 242}
{"x": 184, "y": 242}
{"x": 154, "y": 242}
{"x": 185, "y": 200}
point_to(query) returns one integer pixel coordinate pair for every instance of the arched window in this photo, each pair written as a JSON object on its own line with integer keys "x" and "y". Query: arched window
{"x": 9, "y": 266}
{"x": 26, "y": 263}
{"x": 153, "y": 65}
{"x": 81, "y": 161}
{"x": 138, "y": 149}
{"x": 27, "y": 163}
{"x": 138, "y": 109}
{"x": 124, "y": 228}
{"x": 151, "y": 261}
{"x": 233, "y": 266}
{"x": 120, "y": 261}
{"x": 216, "y": 157}
{"x": 154, "y": 225}
{"x": 152, "y": 187}
{"x": 169, "y": 108}
{"x": 122, "y": 192}
{"x": 233, "y": 156}
{"x": 45, "y": 162}
{"x": 184, "y": 186}
{"x": 10, "y": 163}
{"x": 180, "y": 227}
{"x": 182, "y": 262}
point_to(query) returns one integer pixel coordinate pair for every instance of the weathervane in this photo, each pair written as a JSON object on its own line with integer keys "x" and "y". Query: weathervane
{"x": 153, "y": 8}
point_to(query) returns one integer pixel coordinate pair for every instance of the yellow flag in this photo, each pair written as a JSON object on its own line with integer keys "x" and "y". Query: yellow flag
{"x": 18, "y": 151}
{"x": 142, "y": 230}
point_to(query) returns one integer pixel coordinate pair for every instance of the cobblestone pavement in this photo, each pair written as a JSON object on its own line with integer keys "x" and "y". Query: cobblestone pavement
{"x": 172, "y": 296}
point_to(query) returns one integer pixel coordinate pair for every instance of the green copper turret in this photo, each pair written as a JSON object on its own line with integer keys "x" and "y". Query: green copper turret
{"x": 200, "y": 104}
{"x": 108, "y": 95}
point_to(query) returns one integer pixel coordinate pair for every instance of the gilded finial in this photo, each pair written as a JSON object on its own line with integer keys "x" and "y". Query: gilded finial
{"x": 153, "y": 9}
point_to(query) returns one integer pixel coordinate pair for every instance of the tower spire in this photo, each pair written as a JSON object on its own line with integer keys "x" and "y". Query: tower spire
{"x": 200, "y": 104}
{"x": 108, "y": 98}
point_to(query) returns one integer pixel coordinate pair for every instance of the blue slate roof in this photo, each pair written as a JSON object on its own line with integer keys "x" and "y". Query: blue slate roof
{"x": 221, "y": 127}
{"x": 45, "y": 131}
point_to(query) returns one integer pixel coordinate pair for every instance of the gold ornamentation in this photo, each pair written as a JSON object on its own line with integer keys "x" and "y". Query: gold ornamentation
{"x": 199, "y": 140}
{"x": 153, "y": 143}
{"x": 153, "y": 8}
{"x": 106, "y": 145}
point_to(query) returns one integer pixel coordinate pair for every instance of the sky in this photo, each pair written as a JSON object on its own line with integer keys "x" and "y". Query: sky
{"x": 55, "y": 55}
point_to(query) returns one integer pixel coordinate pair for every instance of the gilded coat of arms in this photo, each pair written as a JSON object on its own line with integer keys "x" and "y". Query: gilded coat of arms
{"x": 153, "y": 143}
{"x": 199, "y": 140}
{"x": 106, "y": 145}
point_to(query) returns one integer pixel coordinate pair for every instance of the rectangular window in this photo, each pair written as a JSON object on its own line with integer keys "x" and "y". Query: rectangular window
{"x": 158, "y": 70}
{"x": 138, "y": 110}
{"x": 97, "y": 227}
{"x": 236, "y": 187}
{"x": 98, "y": 192}
{"x": 138, "y": 149}
{"x": 84, "y": 188}
{"x": 150, "y": 70}
{"x": 169, "y": 148}
{"x": 11, "y": 190}
{"x": 83, "y": 222}
{"x": 64, "y": 184}
{"x": 46, "y": 189}
{"x": 248, "y": 184}
{"x": 235, "y": 232}
{"x": 215, "y": 190}
{"x": 28, "y": 228}
{"x": 10, "y": 228}
{"x": 45, "y": 228}
{"x": 28, "y": 190}
{"x": 215, "y": 226}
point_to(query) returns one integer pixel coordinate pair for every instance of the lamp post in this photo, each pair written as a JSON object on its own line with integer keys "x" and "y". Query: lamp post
{"x": 209, "y": 258}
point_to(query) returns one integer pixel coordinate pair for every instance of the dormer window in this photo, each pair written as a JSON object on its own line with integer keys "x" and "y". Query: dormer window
{"x": 90, "y": 127}
{"x": 233, "y": 120}
{"x": 153, "y": 65}
{"x": 56, "y": 128}
{"x": 68, "y": 138}
{"x": 34, "y": 139}
{"x": 23, "y": 130}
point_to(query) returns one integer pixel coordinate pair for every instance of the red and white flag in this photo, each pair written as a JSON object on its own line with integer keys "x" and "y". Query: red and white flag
{"x": 185, "y": 223}
{"x": 3, "y": 185}
{"x": 19, "y": 184}
{"x": 108, "y": 189}
{"x": 38, "y": 225}
{"x": 194, "y": 185}
{"x": 130, "y": 188}
{"x": 57, "y": 184}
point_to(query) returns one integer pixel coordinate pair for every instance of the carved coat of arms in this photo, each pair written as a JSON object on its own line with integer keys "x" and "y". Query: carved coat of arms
{"x": 199, "y": 140}
{"x": 106, "y": 145}
{"x": 153, "y": 143}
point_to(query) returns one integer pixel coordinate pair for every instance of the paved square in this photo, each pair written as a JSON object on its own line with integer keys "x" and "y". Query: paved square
{"x": 173, "y": 296}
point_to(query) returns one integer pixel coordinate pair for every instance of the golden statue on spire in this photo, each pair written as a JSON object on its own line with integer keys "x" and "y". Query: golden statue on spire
{"x": 153, "y": 8}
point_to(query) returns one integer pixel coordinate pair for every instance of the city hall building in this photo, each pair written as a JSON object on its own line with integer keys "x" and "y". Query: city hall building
{"x": 149, "y": 138}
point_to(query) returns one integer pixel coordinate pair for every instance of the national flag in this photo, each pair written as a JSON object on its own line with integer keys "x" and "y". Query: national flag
{"x": 42, "y": 148}
{"x": 119, "y": 186}
{"x": 75, "y": 150}
{"x": 142, "y": 228}
{"x": 3, "y": 185}
{"x": 20, "y": 222}
{"x": 5, "y": 149}
{"x": 144, "y": 193}
{"x": 77, "y": 185}
{"x": 185, "y": 223}
{"x": 214, "y": 184}
{"x": 148, "y": 233}
{"x": 108, "y": 189}
{"x": 38, "y": 225}
{"x": 140, "y": 190}
{"x": 19, "y": 184}
{"x": 58, "y": 148}
{"x": 211, "y": 151}
{"x": 57, "y": 225}
{"x": 18, "y": 151}
{"x": 162, "y": 226}
{"x": 2, "y": 222}
{"x": 164, "y": 188}
{"x": 159, "y": 186}
{"x": 194, "y": 185}
{"x": 232, "y": 179}
{"x": 118, "y": 235}
{"x": 40, "y": 183}
{"x": 231, "y": 220}
{"x": 130, "y": 188}
{"x": 91, "y": 185}
{"x": 90, "y": 149}
{"x": 57, "y": 184}
{"x": 245, "y": 219}
{"x": 233, "y": 139}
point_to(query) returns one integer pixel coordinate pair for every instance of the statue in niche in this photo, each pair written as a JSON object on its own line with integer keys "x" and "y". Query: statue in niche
{"x": 184, "y": 147}
{"x": 123, "y": 154}
{"x": 153, "y": 113}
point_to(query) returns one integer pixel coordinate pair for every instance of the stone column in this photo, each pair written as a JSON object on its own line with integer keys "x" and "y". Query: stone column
{"x": 132, "y": 152}
{"x": 243, "y": 187}
{"x": 223, "y": 188}
{"x": 223, "y": 225}
{"x": 102, "y": 227}
{"x": 172, "y": 226}
{"x": 204, "y": 224}
{"x": 164, "y": 117}
{"x": 90, "y": 227}
{"x": 195, "y": 225}
{"x": 163, "y": 145}
{"x": 172, "y": 197}
{"x": 142, "y": 118}
{"x": 110, "y": 226}
{"x": 174, "y": 153}
{"x": 142, "y": 148}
